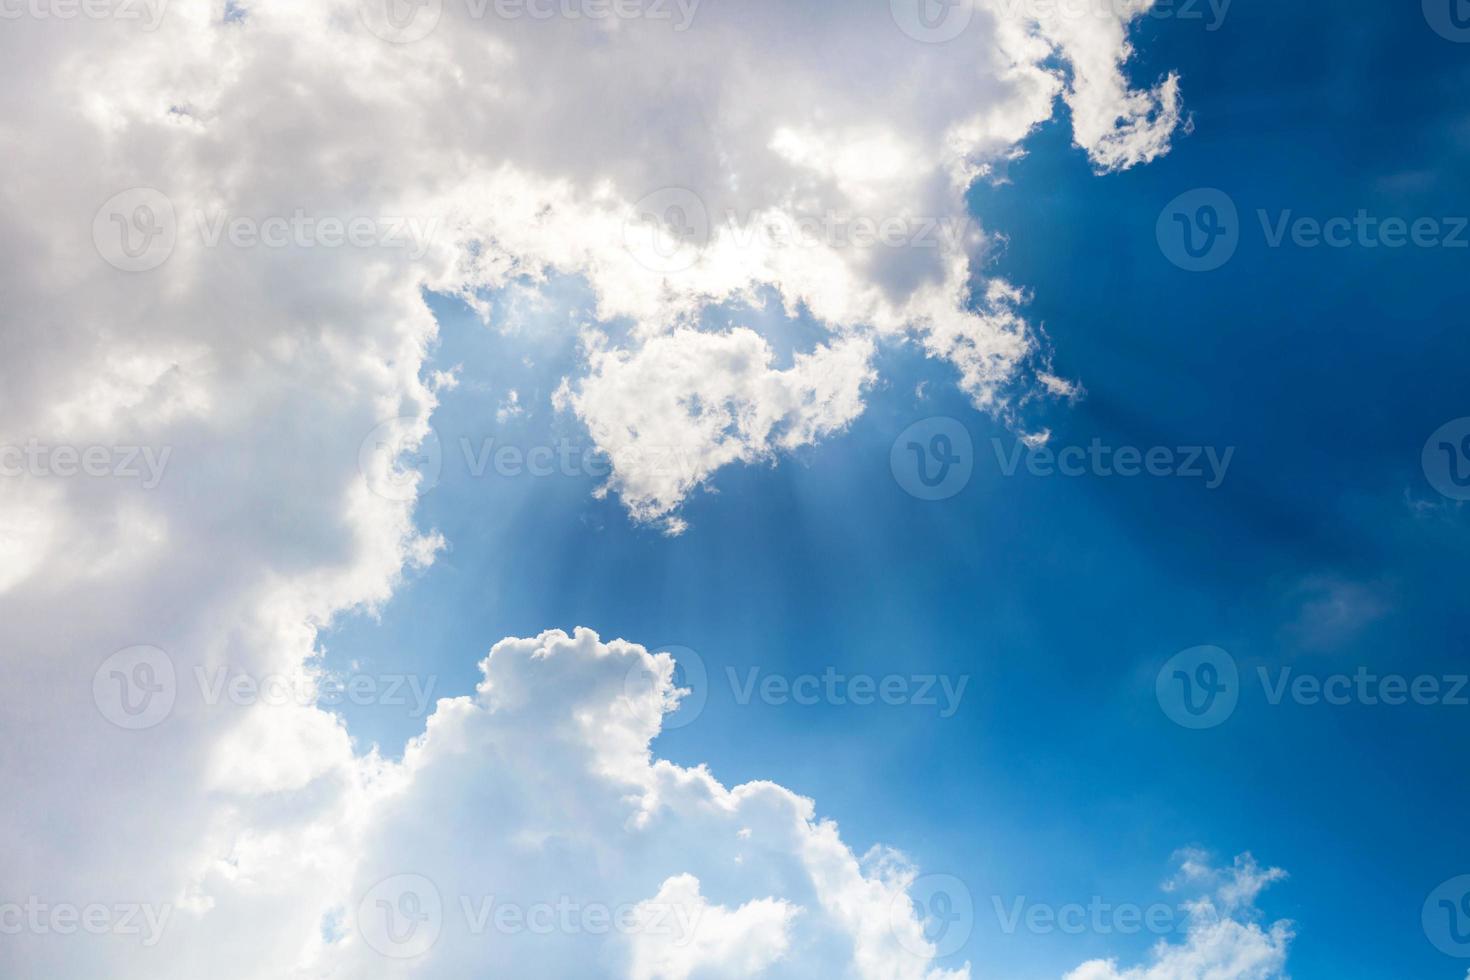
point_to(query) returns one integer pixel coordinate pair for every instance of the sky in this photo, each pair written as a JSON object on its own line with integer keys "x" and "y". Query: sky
{"x": 1070, "y": 588}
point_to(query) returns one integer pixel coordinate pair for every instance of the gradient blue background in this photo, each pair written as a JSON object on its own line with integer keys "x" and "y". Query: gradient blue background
{"x": 1060, "y": 778}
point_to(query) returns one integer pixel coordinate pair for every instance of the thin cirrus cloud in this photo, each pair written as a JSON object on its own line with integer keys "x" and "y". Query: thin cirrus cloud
{"x": 219, "y": 226}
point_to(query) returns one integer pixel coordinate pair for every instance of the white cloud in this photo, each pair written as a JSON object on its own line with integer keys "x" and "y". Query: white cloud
{"x": 1333, "y": 611}
{"x": 687, "y": 403}
{"x": 262, "y": 352}
{"x": 1224, "y": 939}
{"x": 735, "y": 881}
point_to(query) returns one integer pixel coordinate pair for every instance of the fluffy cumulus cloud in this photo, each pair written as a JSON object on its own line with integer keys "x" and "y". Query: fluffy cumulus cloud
{"x": 1224, "y": 938}
{"x": 219, "y": 223}
{"x": 602, "y": 858}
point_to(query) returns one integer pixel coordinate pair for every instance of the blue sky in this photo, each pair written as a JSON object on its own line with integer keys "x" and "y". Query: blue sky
{"x": 1068, "y": 497}
{"x": 1060, "y": 777}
